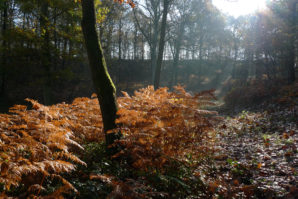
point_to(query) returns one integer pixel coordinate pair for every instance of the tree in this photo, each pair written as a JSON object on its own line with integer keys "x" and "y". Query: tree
{"x": 150, "y": 33}
{"x": 286, "y": 10}
{"x": 236, "y": 38}
{"x": 45, "y": 49}
{"x": 4, "y": 16}
{"x": 183, "y": 12}
{"x": 105, "y": 89}
{"x": 166, "y": 5}
{"x": 292, "y": 21}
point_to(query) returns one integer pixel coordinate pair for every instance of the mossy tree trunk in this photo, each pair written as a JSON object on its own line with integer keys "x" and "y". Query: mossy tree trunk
{"x": 102, "y": 82}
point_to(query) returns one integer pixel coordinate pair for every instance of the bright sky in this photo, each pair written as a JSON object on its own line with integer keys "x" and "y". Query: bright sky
{"x": 239, "y": 7}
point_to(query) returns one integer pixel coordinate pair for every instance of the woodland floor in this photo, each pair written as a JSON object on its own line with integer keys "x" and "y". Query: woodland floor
{"x": 257, "y": 153}
{"x": 249, "y": 154}
{"x": 255, "y": 157}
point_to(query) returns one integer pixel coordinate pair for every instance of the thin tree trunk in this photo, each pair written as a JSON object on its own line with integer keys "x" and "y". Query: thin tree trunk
{"x": 291, "y": 54}
{"x": 143, "y": 48}
{"x": 135, "y": 43}
{"x": 161, "y": 44}
{"x": 201, "y": 43}
{"x": 120, "y": 40}
{"x": 105, "y": 89}
{"x": 267, "y": 67}
{"x": 4, "y": 47}
{"x": 235, "y": 61}
{"x": 57, "y": 49}
{"x": 154, "y": 47}
{"x": 151, "y": 37}
{"x": 193, "y": 51}
{"x": 64, "y": 52}
{"x": 109, "y": 41}
{"x": 45, "y": 52}
{"x": 177, "y": 53}
{"x": 201, "y": 47}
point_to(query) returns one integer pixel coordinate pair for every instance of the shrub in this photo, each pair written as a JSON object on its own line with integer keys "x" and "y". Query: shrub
{"x": 41, "y": 147}
{"x": 161, "y": 125}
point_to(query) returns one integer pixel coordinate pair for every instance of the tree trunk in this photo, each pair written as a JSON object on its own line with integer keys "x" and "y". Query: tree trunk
{"x": 152, "y": 36}
{"x": 120, "y": 40}
{"x": 161, "y": 44}
{"x": 45, "y": 52}
{"x": 142, "y": 47}
{"x": 135, "y": 43}
{"x": 154, "y": 47}
{"x": 201, "y": 44}
{"x": 4, "y": 49}
{"x": 291, "y": 54}
{"x": 108, "y": 49}
{"x": 105, "y": 89}
{"x": 177, "y": 53}
{"x": 234, "y": 72}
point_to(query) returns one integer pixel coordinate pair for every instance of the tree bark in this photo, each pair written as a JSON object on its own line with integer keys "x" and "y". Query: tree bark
{"x": 105, "y": 89}
{"x": 161, "y": 44}
{"x": 292, "y": 4}
{"x": 135, "y": 43}
{"x": 45, "y": 52}
{"x": 177, "y": 53}
{"x": 109, "y": 41}
{"x": 4, "y": 47}
{"x": 120, "y": 40}
{"x": 154, "y": 45}
{"x": 234, "y": 72}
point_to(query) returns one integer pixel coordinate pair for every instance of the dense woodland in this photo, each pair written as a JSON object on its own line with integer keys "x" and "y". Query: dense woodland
{"x": 147, "y": 99}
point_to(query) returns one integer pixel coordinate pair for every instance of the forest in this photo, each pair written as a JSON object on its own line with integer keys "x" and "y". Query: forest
{"x": 131, "y": 99}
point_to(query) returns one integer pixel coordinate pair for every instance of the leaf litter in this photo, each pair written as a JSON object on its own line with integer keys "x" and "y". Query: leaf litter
{"x": 257, "y": 153}
{"x": 251, "y": 155}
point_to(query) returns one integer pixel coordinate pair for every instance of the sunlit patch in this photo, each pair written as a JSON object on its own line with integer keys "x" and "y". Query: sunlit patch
{"x": 239, "y": 7}
{"x": 206, "y": 80}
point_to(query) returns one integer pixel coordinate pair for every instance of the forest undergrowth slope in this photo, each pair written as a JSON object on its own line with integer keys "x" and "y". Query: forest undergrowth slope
{"x": 172, "y": 147}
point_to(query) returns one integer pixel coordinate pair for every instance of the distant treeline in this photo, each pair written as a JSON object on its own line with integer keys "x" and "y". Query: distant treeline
{"x": 42, "y": 52}
{"x": 74, "y": 80}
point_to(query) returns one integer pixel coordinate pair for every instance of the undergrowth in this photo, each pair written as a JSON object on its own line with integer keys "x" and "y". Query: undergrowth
{"x": 259, "y": 94}
{"x": 57, "y": 151}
